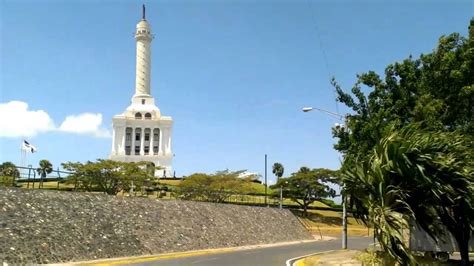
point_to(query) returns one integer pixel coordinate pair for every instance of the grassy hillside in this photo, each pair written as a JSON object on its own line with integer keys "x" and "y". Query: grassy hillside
{"x": 323, "y": 222}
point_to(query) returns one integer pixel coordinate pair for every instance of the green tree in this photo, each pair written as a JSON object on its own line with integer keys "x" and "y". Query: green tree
{"x": 8, "y": 174}
{"x": 420, "y": 176}
{"x": 9, "y": 169}
{"x": 215, "y": 188}
{"x": 307, "y": 185}
{"x": 108, "y": 176}
{"x": 77, "y": 177}
{"x": 45, "y": 168}
{"x": 278, "y": 170}
{"x": 435, "y": 90}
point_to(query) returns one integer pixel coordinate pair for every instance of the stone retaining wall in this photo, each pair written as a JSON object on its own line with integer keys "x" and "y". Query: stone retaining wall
{"x": 39, "y": 226}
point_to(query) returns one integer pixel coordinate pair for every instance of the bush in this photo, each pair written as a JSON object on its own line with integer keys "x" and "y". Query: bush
{"x": 7, "y": 181}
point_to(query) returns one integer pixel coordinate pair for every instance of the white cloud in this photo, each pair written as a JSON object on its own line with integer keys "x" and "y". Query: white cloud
{"x": 17, "y": 121}
{"x": 85, "y": 123}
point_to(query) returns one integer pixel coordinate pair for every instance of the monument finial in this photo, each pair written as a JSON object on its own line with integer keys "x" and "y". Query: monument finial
{"x": 143, "y": 12}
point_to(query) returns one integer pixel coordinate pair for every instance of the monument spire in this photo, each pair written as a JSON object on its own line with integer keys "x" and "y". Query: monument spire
{"x": 141, "y": 133}
{"x": 143, "y": 37}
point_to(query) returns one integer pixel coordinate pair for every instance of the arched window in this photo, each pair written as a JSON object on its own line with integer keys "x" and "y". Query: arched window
{"x": 147, "y": 116}
{"x": 138, "y": 116}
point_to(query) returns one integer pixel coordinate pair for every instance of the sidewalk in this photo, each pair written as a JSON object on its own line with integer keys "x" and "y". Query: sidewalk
{"x": 342, "y": 257}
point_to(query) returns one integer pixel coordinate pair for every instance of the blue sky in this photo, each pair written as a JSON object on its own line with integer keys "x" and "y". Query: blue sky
{"x": 234, "y": 75}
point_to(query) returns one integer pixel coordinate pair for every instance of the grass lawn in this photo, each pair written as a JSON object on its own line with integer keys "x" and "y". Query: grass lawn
{"x": 323, "y": 222}
{"x": 46, "y": 185}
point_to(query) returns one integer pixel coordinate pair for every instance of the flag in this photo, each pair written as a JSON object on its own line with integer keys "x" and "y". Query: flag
{"x": 28, "y": 147}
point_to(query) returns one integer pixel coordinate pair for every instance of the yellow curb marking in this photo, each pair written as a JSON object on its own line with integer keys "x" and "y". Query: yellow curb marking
{"x": 176, "y": 255}
{"x": 159, "y": 257}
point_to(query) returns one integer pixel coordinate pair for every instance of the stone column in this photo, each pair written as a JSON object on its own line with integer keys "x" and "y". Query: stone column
{"x": 150, "y": 149}
{"x": 170, "y": 130}
{"x": 124, "y": 135}
{"x": 162, "y": 146}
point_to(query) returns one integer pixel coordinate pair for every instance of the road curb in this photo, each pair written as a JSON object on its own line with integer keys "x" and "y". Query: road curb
{"x": 295, "y": 260}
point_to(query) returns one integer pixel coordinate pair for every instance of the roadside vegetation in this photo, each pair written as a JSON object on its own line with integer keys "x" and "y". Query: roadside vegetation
{"x": 408, "y": 146}
{"x": 307, "y": 186}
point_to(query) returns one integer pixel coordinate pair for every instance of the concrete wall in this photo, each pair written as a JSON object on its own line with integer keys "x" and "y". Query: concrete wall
{"x": 39, "y": 226}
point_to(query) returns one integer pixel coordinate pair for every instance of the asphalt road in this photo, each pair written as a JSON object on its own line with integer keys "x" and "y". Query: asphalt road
{"x": 268, "y": 256}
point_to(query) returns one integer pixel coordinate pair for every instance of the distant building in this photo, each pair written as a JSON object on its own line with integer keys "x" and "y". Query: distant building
{"x": 253, "y": 176}
{"x": 141, "y": 133}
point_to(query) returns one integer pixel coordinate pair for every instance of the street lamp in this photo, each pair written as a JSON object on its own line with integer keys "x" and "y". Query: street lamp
{"x": 338, "y": 116}
{"x": 344, "y": 210}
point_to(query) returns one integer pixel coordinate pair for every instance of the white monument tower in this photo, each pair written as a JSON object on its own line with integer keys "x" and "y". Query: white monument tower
{"x": 141, "y": 133}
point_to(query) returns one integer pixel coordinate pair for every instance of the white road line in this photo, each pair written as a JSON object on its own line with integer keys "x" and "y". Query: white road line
{"x": 291, "y": 261}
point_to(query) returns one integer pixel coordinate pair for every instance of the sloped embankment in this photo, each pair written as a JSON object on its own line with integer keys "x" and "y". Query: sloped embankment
{"x": 39, "y": 226}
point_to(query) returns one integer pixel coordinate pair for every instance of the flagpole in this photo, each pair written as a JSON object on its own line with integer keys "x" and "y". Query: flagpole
{"x": 23, "y": 156}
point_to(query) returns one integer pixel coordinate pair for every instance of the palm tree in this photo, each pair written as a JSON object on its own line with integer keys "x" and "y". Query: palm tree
{"x": 415, "y": 176}
{"x": 278, "y": 170}
{"x": 45, "y": 168}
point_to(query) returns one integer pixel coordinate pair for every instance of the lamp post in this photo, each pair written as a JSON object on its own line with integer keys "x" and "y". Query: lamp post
{"x": 266, "y": 180}
{"x": 344, "y": 210}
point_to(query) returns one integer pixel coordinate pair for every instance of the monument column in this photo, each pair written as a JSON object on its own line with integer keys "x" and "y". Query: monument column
{"x": 169, "y": 140}
{"x": 143, "y": 38}
{"x": 150, "y": 149}
{"x": 160, "y": 144}
{"x": 143, "y": 113}
{"x": 142, "y": 141}
{"x": 122, "y": 140}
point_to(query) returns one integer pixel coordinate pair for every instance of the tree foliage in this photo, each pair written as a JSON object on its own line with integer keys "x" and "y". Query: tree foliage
{"x": 8, "y": 174}
{"x": 435, "y": 90}
{"x": 217, "y": 187}
{"x": 108, "y": 176}
{"x": 9, "y": 169}
{"x": 415, "y": 175}
{"x": 307, "y": 185}
{"x": 45, "y": 168}
{"x": 278, "y": 170}
{"x": 428, "y": 101}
